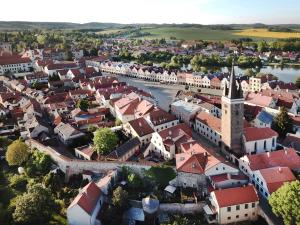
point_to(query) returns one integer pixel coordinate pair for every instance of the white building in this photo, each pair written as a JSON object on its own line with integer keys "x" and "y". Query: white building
{"x": 185, "y": 111}
{"x": 209, "y": 127}
{"x": 66, "y": 133}
{"x": 259, "y": 140}
{"x": 15, "y": 65}
{"x": 86, "y": 206}
{"x": 232, "y": 205}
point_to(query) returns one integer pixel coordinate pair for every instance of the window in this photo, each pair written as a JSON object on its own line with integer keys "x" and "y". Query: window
{"x": 265, "y": 145}
{"x": 228, "y": 209}
{"x": 229, "y": 218}
{"x": 237, "y": 216}
{"x": 255, "y": 146}
{"x": 246, "y": 215}
{"x": 237, "y": 207}
{"x": 253, "y": 204}
{"x": 273, "y": 142}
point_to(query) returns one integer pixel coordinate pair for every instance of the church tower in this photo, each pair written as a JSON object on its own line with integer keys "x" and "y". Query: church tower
{"x": 232, "y": 124}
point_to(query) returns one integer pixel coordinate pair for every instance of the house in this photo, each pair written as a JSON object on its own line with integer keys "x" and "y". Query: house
{"x": 125, "y": 107}
{"x": 33, "y": 126}
{"x": 37, "y": 77}
{"x": 106, "y": 183}
{"x": 184, "y": 111}
{"x": 210, "y": 108}
{"x": 139, "y": 128}
{"x": 66, "y": 133}
{"x": 228, "y": 180}
{"x": 283, "y": 158}
{"x": 195, "y": 163}
{"x": 263, "y": 119}
{"x": 232, "y": 205}
{"x": 86, "y": 206}
{"x": 292, "y": 141}
{"x": 209, "y": 127}
{"x": 259, "y": 140}
{"x": 15, "y": 64}
{"x": 125, "y": 151}
{"x": 269, "y": 180}
{"x": 167, "y": 142}
{"x": 159, "y": 119}
{"x": 85, "y": 152}
{"x": 260, "y": 100}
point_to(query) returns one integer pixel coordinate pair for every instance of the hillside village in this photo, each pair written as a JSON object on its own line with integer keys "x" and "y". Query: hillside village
{"x": 214, "y": 152}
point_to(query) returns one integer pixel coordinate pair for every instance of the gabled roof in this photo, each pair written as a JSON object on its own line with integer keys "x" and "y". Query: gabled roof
{"x": 141, "y": 126}
{"x": 209, "y": 120}
{"x": 265, "y": 117}
{"x": 256, "y": 133}
{"x": 159, "y": 116}
{"x": 87, "y": 198}
{"x": 275, "y": 177}
{"x": 285, "y": 158}
{"x": 124, "y": 148}
{"x": 236, "y": 196}
{"x": 176, "y": 131}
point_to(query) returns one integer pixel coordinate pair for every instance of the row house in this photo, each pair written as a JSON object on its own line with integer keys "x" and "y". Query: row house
{"x": 37, "y": 77}
{"x": 209, "y": 127}
{"x": 167, "y": 142}
{"x": 11, "y": 100}
{"x": 15, "y": 64}
{"x": 141, "y": 129}
{"x": 269, "y": 171}
{"x": 159, "y": 119}
{"x": 196, "y": 163}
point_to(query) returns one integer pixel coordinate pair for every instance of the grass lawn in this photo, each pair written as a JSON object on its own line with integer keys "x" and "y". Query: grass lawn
{"x": 193, "y": 33}
{"x": 264, "y": 33}
{"x": 188, "y": 33}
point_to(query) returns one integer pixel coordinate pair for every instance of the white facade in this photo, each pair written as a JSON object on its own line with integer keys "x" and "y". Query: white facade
{"x": 260, "y": 146}
{"x": 207, "y": 132}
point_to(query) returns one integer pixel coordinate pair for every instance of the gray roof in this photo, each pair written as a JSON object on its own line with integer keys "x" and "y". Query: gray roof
{"x": 123, "y": 149}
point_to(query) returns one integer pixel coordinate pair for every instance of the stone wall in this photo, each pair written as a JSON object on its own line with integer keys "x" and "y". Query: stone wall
{"x": 75, "y": 166}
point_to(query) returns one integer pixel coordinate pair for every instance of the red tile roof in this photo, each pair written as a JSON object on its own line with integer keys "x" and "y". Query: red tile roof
{"x": 175, "y": 131}
{"x": 236, "y": 196}
{"x": 255, "y": 133}
{"x": 141, "y": 127}
{"x": 13, "y": 60}
{"x": 275, "y": 177}
{"x": 259, "y": 99}
{"x": 87, "y": 198}
{"x": 285, "y": 158}
{"x": 159, "y": 116}
{"x": 209, "y": 120}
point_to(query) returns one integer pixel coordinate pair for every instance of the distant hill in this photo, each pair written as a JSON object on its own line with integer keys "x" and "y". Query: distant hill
{"x": 21, "y": 25}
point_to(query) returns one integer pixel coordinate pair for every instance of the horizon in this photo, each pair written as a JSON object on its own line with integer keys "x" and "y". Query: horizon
{"x": 205, "y": 12}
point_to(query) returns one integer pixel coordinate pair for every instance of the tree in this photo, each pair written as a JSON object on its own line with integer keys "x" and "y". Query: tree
{"x": 83, "y": 104}
{"x": 53, "y": 181}
{"x": 283, "y": 123}
{"x": 38, "y": 163}
{"x": 104, "y": 141}
{"x": 134, "y": 180}
{"x": 35, "y": 206}
{"x": 120, "y": 198}
{"x": 17, "y": 153}
{"x": 249, "y": 72}
{"x": 285, "y": 202}
{"x": 298, "y": 82}
{"x": 92, "y": 128}
{"x": 161, "y": 175}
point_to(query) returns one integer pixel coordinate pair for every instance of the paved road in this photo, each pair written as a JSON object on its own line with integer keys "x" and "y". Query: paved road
{"x": 163, "y": 93}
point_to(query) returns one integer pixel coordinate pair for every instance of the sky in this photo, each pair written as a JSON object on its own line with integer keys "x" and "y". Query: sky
{"x": 153, "y": 11}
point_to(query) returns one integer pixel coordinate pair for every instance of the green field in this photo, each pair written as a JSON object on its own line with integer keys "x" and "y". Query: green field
{"x": 193, "y": 33}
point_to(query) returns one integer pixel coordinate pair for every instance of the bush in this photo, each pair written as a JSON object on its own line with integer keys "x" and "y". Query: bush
{"x": 18, "y": 182}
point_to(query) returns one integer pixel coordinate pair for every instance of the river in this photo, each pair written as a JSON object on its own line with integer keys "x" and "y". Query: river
{"x": 286, "y": 74}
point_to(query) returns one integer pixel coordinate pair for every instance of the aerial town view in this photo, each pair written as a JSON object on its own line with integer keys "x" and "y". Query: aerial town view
{"x": 161, "y": 112}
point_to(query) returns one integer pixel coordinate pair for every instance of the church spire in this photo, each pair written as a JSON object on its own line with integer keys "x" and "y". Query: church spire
{"x": 233, "y": 92}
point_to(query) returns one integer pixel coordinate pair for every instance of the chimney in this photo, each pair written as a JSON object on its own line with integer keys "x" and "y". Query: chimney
{"x": 228, "y": 176}
{"x": 285, "y": 151}
{"x": 268, "y": 154}
{"x": 140, "y": 124}
{"x": 170, "y": 132}
{"x": 279, "y": 169}
{"x": 191, "y": 144}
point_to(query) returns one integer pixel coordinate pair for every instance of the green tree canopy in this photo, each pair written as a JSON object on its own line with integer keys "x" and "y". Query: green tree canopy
{"x": 4, "y": 142}
{"x": 38, "y": 163}
{"x": 83, "y": 104}
{"x": 285, "y": 202}
{"x": 283, "y": 123}
{"x": 34, "y": 207}
{"x": 161, "y": 175}
{"x": 105, "y": 141}
{"x": 120, "y": 198}
{"x": 17, "y": 153}
{"x": 249, "y": 72}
